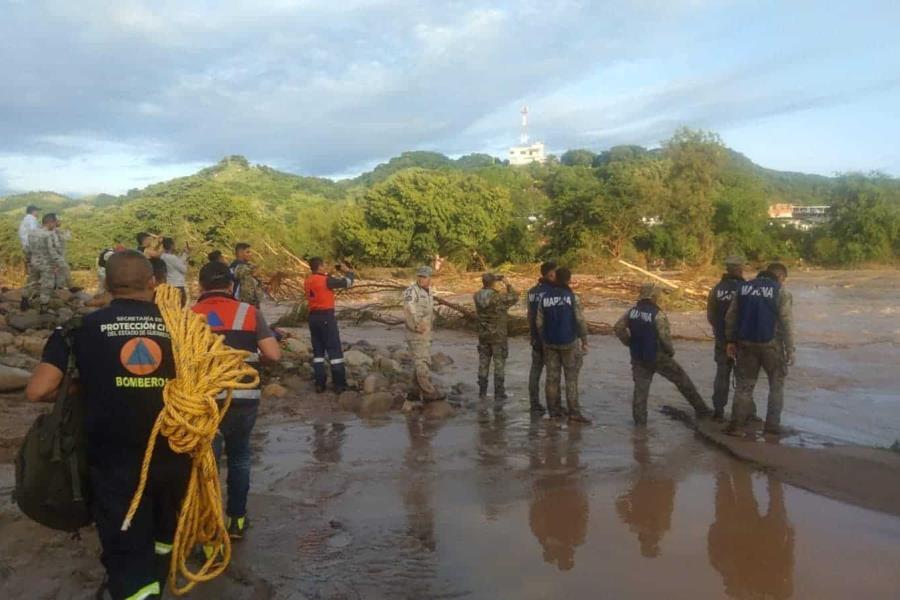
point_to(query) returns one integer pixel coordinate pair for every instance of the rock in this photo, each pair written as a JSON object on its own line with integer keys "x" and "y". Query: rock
{"x": 439, "y": 409}
{"x": 377, "y": 403}
{"x": 32, "y": 345}
{"x": 63, "y": 294}
{"x": 356, "y": 358}
{"x": 294, "y": 382}
{"x": 388, "y": 366}
{"x": 30, "y": 319}
{"x": 440, "y": 361}
{"x": 13, "y": 296}
{"x": 19, "y": 361}
{"x": 82, "y": 297}
{"x": 64, "y": 314}
{"x": 2, "y": 321}
{"x": 274, "y": 390}
{"x": 350, "y": 400}
{"x": 297, "y": 346}
{"x": 6, "y": 339}
{"x": 375, "y": 382}
{"x": 402, "y": 356}
{"x": 13, "y": 379}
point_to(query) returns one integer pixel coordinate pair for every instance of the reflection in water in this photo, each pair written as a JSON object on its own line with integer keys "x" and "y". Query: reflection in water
{"x": 559, "y": 507}
{"x": 647, "y": 506}
{"x": 327, "y": 441}
{"x": 417, "y": 496}
{"x": 492, "y": 450}
{"x": 753, "y": 553}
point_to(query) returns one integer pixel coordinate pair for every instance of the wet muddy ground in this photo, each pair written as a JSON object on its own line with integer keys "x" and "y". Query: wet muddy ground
{"x": 492, "y": 504}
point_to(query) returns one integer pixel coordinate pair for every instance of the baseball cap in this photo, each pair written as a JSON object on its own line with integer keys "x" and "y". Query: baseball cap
{"x": 423, "y": 271}
{"x": 215, "y": 275}
{"x": 735, "y": 260}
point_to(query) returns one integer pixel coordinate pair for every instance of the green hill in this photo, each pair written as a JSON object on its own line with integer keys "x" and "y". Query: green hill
{"x": 583, "y": 205}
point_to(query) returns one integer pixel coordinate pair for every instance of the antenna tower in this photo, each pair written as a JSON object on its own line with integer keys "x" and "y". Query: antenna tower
{"x": 523, "y": 137}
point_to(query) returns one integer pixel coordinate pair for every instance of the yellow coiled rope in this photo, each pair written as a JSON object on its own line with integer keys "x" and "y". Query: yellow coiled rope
{"x": 189, "y": 419}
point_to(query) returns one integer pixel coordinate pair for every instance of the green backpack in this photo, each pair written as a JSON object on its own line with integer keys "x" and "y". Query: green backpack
{"x": 51, "y": 467}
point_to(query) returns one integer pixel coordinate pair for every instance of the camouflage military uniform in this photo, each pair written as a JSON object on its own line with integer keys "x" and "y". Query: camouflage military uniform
{"x": 772, "y": 357}
{"x": 563, "y": 360}
{"x": 248, "y": 288}
{"x": 63, "y": 274}
{"x": 418, "y": 308}
{"x": 493, "y": 343}
{"x": 642, "y": 371}
{"x": 45, "y": 261}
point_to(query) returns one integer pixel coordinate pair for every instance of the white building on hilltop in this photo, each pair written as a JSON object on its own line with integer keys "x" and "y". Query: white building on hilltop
{"x": 526, "y": 153}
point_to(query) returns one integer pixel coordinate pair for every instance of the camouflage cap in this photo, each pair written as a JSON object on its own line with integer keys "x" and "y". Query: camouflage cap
{"x": 649, "y": 291}
{"x": 735, "y": 260}
{"x": 423, "y": 271}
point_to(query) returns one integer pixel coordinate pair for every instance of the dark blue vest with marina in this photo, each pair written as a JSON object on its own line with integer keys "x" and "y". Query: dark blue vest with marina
{"x": 642, "y": 327}
{"x": 758, "y": 310}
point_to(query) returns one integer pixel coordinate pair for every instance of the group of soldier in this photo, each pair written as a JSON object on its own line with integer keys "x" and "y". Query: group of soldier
{"x": 44, "y": 247}
{"x": 752, "y": 322}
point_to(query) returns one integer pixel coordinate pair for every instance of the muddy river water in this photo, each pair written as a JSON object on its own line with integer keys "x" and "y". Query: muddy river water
{"x": 492, "y": 504}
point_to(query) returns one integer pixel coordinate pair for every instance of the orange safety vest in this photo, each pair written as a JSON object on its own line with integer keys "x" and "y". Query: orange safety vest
{"x": 318, "y": 296}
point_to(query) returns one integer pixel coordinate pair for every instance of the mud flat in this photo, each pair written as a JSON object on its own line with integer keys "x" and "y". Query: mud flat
{"x": 494, "y": 504}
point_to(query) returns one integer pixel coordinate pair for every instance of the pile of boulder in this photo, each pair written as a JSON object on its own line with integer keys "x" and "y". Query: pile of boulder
{"x": 24, "y": 332}
{"x": 378, "y": 378}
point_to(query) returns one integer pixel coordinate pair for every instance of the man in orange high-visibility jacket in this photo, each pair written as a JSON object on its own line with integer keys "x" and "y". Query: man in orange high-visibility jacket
{"x": 323, "y": 329}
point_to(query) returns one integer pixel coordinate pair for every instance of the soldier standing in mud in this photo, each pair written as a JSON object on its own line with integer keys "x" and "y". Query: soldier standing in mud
{"x": 563, "y": 330}
{"x": 760, "y": 333}
{"x": 644, "y": 328}
{"x": 492, "y": 306}
{"x": 717, "y": 303}
{"x": 418, "y": 308}
{"x": 548, "y": 276}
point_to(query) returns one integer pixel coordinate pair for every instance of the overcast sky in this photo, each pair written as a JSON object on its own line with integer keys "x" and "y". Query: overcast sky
{"x": 100, "y": 96}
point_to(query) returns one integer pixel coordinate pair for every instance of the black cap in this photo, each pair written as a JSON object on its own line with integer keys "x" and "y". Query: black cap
{"x": 215, "y": 276}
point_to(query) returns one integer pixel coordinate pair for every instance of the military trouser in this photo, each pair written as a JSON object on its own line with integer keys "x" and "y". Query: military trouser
{"x": 496, "y": 351}
{"x": 567, "y": 359}
{"x": 534, "y": 376}
{"x": 750, "y": 358}
{"x": 43, "y": 283}
{"x": 420, "y": 348}
{"x": 665, "y": 365}
{"x": 722, "y": 383}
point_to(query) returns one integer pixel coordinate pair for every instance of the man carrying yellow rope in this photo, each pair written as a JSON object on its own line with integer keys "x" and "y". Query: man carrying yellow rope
{"x": 164, "y": 489}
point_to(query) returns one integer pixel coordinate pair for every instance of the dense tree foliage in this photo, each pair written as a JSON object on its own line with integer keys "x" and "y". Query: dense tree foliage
{"x": 417, "y": 214}
{"x": 691, "y": 200}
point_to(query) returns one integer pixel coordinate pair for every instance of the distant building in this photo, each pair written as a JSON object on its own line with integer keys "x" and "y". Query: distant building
{"x": 525, "y": 153}
{"x": 802, "y": 217}
{"x": 781, "y": 211}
